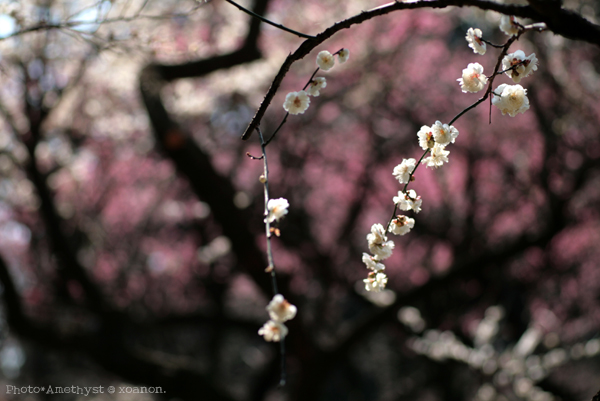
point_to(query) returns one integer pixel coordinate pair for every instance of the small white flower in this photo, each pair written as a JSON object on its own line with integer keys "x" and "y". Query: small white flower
{"x": 403, "y": 170}
{"x": 382, "y": 251}
{"x": 439, "y": 156}
{"x": 473, "y": 80}
{"x": 316, "y": 85}
{"x": 416, "y": 206}
{"x": 277, "y": 209}
{"x": 280, "y": 309}
{"x": 273, "y": 331}
{"x": 444, "y": 133}
{"x": 524, "y": 65}
{"x": 508, "y": 25}
{"x": 512, "y": 100}
{"x": 343, "y": 55}
{"x": 408, "y": 201}
{"x": 325, "y": 60}
{"x": 377, "y": 235}
{"x": 474, "y": 38}
{"x": 426, "y": 140}
{"x": 401, "y": 225}
{"x": 375, "y": 282}
{"x": 296, "y": 102}
{"x": 372, "y": 262}
{"x": 379, "y": 244}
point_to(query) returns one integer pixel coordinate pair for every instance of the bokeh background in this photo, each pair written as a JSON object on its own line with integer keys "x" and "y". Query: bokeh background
{"x": 132, "y": 248}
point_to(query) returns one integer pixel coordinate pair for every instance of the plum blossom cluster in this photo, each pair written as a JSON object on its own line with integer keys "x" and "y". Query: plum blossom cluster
{"x": 510, "y": 99}
{"x": 280, "y": 311}
{"x": 433, "y": 140}
{"x": 298, "y": 102}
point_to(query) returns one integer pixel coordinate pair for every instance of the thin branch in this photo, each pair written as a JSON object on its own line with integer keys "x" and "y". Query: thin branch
{"x": 271, "y": 268}
{"x": 263, "y": 19}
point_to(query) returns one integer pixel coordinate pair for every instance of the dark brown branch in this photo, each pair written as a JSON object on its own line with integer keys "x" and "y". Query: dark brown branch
{"x": 109, "y": 347}
{"x": 566, "y": 23}
{"x": 266, "y": 21}
{"x": 192, "y": 162}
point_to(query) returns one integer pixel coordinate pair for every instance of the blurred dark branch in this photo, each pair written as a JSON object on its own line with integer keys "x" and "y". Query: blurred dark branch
{"x": 193, "y": 163}
{"x": 68, "y": 266}
{"x": 562, "y": 22}
{"x": 108, "y": 347}
{"x": 72, "y": 25}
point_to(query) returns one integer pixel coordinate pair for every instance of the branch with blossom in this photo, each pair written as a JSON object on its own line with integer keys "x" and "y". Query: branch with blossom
{"x": 434, "y": 139}
{"x": 510, "y": 99}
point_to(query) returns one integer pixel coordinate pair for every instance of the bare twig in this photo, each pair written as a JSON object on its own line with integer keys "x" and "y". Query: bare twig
{"x": 263, "y": 19}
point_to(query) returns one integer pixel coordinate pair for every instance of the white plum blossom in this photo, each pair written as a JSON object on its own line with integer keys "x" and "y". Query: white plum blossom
{"x": 426, "y": 140}
{"x": 280, "y": 310}
{"x": 377, "y": 235}
{"x": 277, "y": 209}
{"x": 403, "y": 170}
{"x": 474, "y": 38}
{"x": 325, "y": 60}
{"x": 378, "y": 243}
{"x": 382, "y": 251}
{"x": 523, "y": 66}
{"x": 401, "y": 225}
{"x": 444, "y": 133}
{"x": 273, "y": 331}
{"x": 343, "y": 55}
{"x": 416, "y": 205}
{"x": 511, "y": 99}
{"x": 375, "y": 282}
{"x": 316, "y": 85}
{"x": 296, "y": 102}
{"x": 508, "y": 25}
{"x": 372, "y": 263}
{"x": 473, "y": 80}
{"x": 408, "y": 201}
{"x": 439, "y": 156}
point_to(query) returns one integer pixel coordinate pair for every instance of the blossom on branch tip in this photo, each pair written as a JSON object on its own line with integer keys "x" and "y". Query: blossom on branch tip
{"x": 473, "y": 80}
{"x": 277, "y": 209}
{"x": 280, "y": 309}
{"x": 521, "y": 66}
{"x": 372, "y": 263}
{"x": 316, "y": 85}
{"x": 403, "y": 170}
{"x": 375, "y": 282}
{"x": 343, "y": 55}
{"x": 296, "y": 102}
{"x": 439, "y": 156}
{"x": 408, "y": 201}
{"x": 325, "y": 60}
{"x": 401, "y": 225}
{"x": 426, "y": 140}
{"x": 508, "y": 25}
{"x": 511, "y": 99}
{"x": 273, "y": 331}
{"x": 444, "y": 133}
{"x": 474, "y": 39}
